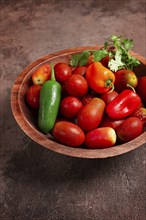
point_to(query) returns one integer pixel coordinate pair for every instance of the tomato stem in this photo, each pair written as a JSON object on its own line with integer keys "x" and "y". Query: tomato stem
{"x": 112, "y": 89}
{"x": 128, "y": 85}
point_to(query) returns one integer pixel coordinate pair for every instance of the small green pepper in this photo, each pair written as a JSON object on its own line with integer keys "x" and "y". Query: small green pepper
{"x": 50, "y": 97}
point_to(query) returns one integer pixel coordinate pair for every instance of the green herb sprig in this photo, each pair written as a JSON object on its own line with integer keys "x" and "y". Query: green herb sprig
{"x": 119, "y": 57}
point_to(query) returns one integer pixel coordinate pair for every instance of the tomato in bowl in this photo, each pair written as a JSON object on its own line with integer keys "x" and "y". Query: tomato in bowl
{"x": 27, "y": 117}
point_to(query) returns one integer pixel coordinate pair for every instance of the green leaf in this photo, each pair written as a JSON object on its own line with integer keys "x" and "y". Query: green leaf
{"x": 80, "y": 59}
{"x": 75, "y": 59}
{"x": 105, "y": 45}
{"x": 84, "y": 58}
{"x": 116, "y": 64}
{"x": 127, "y": 44}
{"x": 98, "y": 55}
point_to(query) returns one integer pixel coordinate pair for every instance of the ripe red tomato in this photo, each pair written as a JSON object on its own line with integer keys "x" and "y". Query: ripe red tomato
{"x": 131, "y": 128}
{"x": 109, "y": 96}
{"x": 81, "y": 70}
{"x": 91, "y": 114}
{"x": 105, "y": 61}
{"x": 33, "y": 96}
{"x": 42, "y": 74}
{"x": 141, "y": 88}
{"x": 141, "y": 114}
{"x": 109, "y": 122}
{"x": 87, "y": 98}
{"x": 123, "y": 78}
{"x": 70, "y": 106}
{"x": 76, "y": 85}
{"x": 101, "y": 138}
{"x": 68, "y": 133}
{"x": 62, "y": 72}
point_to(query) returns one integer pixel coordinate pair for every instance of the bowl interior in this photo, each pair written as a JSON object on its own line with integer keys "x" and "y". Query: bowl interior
{"x": 27, "y": 118}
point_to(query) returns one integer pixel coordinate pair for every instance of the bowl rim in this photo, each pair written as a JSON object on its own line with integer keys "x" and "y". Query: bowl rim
{"x": 42, "y": 139}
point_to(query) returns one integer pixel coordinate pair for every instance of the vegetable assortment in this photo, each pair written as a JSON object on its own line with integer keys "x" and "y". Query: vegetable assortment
{"x": 94, "y": 101}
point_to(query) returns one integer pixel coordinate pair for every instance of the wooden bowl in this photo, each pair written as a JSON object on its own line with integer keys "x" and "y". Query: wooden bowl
{"x": 27, "y": 121}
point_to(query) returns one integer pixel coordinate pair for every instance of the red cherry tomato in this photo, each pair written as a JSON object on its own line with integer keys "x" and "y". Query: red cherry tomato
{"x": 33, "y": 96}
{"x": 131, "y": 128}
{"x": 141, "y": 88}
{"x": 68, "y": 133}
{"x": 81, "y": 70}
{"x": 109, "y": 96}
{"x": 101, "y": 138}
{"x": 70, "y": 107}
{"x": 123, "y": 78}
{"x": 105, "y": 61}
{"x": 109, "y": 122}
{"x": 62, "y": 72}
{"x": 76, "y": 85}
{"x": 91, "y": 114}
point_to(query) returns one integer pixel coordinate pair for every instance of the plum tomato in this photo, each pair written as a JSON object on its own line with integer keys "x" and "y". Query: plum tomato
{"x": 70, "y": 106}
{"x": 76, "y": 85}
{"x": 109, "y": 96}
{"x": 33, "y": 96}
{"x": 62, "y": 72}
{"x": 141, "y": 114}
{"x": 87, "y": 98}
{"x": 109, "y": 122}
{"x": 42, "y": 74}
{"x": 100, "y": 138}
{"x": 68, "y": 133}
{"x": 123, "y": 78}
{"x": 91, "y": 114}
{"x": 141, "y": 88}
{"x": 81, "y": 70}
{"x": 131, "y": 128}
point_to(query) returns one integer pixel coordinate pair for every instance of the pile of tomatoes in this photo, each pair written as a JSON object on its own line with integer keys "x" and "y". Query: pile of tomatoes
{"x": 97, "y": 108}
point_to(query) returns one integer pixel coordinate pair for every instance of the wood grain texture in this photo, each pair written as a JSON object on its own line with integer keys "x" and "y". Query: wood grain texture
{"x": 28, "y": 123}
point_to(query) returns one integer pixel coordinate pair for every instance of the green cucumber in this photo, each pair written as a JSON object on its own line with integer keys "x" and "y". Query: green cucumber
{"x": 50, "y": 96}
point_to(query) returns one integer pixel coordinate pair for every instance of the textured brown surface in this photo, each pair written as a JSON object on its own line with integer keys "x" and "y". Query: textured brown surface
{"x": 36, "y": 183}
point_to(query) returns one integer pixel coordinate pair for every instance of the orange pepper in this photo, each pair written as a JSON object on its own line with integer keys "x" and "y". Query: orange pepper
{"x": 99, "y": 78}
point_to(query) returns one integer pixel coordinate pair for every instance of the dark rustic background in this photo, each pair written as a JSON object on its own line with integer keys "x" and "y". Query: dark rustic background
{"x": 36, "y": 183}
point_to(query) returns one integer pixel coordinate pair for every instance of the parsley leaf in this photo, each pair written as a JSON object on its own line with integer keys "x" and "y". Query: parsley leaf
{"x": 116, "y": 48}
{"x": 84, "y": 58}
{"x": 98, "y": 55}
{"x": 74, "y": 59}
{"x": 116, "y": 63}
{"x": 80, "y": 59}
{"x": 127, "y": 44}
{"x": 121, "y": 58}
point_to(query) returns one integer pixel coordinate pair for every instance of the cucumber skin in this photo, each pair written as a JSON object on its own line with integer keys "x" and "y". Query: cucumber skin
{"x": 50, "y": 97}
